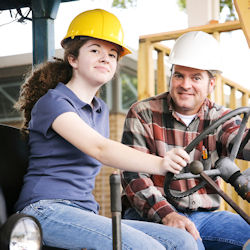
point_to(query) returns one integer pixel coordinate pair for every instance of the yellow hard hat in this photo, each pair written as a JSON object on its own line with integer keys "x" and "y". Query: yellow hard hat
{"x": 98, "y": 24}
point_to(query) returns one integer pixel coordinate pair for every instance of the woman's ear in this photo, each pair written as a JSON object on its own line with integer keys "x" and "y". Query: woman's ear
{"x": 72, "y": 61}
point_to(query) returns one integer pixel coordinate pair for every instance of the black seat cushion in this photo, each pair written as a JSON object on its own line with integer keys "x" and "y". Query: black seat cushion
{"x": 13, "y": 165}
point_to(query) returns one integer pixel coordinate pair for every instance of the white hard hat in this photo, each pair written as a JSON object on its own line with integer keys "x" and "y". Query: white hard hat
{"x": 197, "y": 49}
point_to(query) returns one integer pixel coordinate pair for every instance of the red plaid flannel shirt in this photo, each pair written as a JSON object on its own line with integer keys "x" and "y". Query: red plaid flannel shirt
{"x": 152, "y": 126}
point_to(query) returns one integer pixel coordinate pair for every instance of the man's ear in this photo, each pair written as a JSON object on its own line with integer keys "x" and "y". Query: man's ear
{"x": 211, "y": 85}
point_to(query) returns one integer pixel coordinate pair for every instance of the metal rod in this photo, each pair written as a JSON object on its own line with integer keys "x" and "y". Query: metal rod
{"x": 239, "y": 136}
{"x": 116, "y": 209}
{"x": 212, "y": 184}
{"x": 211, "y": 172}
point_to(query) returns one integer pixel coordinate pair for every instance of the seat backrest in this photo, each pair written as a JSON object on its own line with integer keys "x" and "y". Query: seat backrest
{"x": 13, "y": 164}
{"x": 14, "y": 155}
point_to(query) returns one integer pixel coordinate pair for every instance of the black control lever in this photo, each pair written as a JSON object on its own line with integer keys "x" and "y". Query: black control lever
{"x": 116, "y": 209}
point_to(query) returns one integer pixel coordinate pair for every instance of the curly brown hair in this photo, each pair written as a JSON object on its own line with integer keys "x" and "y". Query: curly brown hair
{"x": 46, "y": 76}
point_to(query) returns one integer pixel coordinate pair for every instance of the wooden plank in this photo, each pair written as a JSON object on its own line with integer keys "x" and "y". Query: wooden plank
{"x": 244, "y": 99}
{"x": 145, "y": 71}
{"x": 162, "y": 47}
{"x": 209, "y": 28}
{"x": 243, "y": 10}
{"x": 233, "y": 103}
{"x": 161, "y": 73}
{"x": 233, "y": 84}
{"x": 218, "y": 91}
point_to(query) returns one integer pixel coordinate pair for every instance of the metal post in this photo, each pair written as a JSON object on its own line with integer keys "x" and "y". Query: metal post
{"x": 43, "y": 14}
{"x": 116, "y": 209}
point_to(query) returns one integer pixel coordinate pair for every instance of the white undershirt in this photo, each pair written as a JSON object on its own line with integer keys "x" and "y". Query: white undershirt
{"x": 186, "y": 118}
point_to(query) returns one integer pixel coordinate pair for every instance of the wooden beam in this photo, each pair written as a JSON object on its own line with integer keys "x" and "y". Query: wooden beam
{"x": 218, "y": 91}
{"x": 237, "y": 86}
{"x": 162, "y": 47}
{"x": 209, "y": 28}
{"x": 233, "y": 102}
{"x": 161, "y": 73}
{"x": 145, "y": 71}
{"x": 243, "y": 10}
{"x": 244, "y": 99}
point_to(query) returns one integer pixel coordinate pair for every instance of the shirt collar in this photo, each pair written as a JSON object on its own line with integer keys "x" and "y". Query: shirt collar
{"x": 97, "y": 107}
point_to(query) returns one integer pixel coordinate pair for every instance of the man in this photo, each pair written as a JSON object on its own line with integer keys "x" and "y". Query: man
{"x": 174, "y": 119}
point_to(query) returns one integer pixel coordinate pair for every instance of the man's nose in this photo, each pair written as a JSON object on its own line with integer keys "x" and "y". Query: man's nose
{"x": 186, "y": 83}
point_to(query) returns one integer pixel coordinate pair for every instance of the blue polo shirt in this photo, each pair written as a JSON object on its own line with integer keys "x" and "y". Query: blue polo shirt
{"x": 57, "y": 169}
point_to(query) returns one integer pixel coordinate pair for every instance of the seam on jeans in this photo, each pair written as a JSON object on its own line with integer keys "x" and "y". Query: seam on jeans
{"x": 229, "y": 241}
{"x": 218, "y": 239}
{"x": 159, "y": 239}
{"x": 36, "y": 210}
{"x": 124, "y": 246}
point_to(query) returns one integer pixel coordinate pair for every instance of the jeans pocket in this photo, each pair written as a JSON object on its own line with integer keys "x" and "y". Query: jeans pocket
{"x": 40, "y": 209}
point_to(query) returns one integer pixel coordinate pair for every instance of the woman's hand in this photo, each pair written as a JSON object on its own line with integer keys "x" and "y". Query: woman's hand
{"x": 175, "y": 160}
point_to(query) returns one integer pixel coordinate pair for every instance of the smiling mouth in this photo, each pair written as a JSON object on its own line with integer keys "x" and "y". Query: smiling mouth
{"x": 103, "y": 69}
{"x": 185, "y": 94}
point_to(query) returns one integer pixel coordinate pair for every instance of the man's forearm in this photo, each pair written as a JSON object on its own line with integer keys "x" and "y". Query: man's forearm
{"x": 145, "y": 197}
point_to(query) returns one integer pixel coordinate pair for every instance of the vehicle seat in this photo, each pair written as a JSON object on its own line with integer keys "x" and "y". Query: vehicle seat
{"x": 14, "y": 161}
{"x": 13, "y": 165}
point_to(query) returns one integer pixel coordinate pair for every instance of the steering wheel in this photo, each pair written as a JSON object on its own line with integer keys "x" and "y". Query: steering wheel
{"x": 213, "y": 173}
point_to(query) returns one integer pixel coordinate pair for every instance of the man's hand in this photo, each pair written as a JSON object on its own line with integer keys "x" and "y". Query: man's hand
{"x": 176, "y": 220}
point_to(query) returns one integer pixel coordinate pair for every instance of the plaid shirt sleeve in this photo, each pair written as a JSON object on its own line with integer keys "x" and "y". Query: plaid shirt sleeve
{"x": 226, "y": 135}
{"x": 140, "y": 189}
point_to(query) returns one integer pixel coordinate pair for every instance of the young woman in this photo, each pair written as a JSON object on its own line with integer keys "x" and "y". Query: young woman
{"x": 68, "y": 129}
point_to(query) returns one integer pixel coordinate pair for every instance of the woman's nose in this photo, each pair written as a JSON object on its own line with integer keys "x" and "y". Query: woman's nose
{"x": 104, "y": 57}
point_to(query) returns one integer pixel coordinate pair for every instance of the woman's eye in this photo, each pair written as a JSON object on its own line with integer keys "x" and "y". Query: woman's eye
{"x": 94, "y": 50}
{"x": 113, "y": 56}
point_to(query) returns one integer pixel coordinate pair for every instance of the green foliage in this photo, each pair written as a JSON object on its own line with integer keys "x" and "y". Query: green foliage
{"x": 123, "y": 4}
{"x": 182, "y": 4}
{"x": 223, "y": 4}
{"x": 228, "y": 3}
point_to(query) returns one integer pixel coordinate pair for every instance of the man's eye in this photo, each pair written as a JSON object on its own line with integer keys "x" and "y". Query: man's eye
{"x": 197, "y": 78}
{"x": 178, "y": 76}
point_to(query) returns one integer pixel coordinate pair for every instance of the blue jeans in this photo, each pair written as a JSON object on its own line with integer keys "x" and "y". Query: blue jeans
{"x": 68, "y": 226}
{"x": 220, "y": 230}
